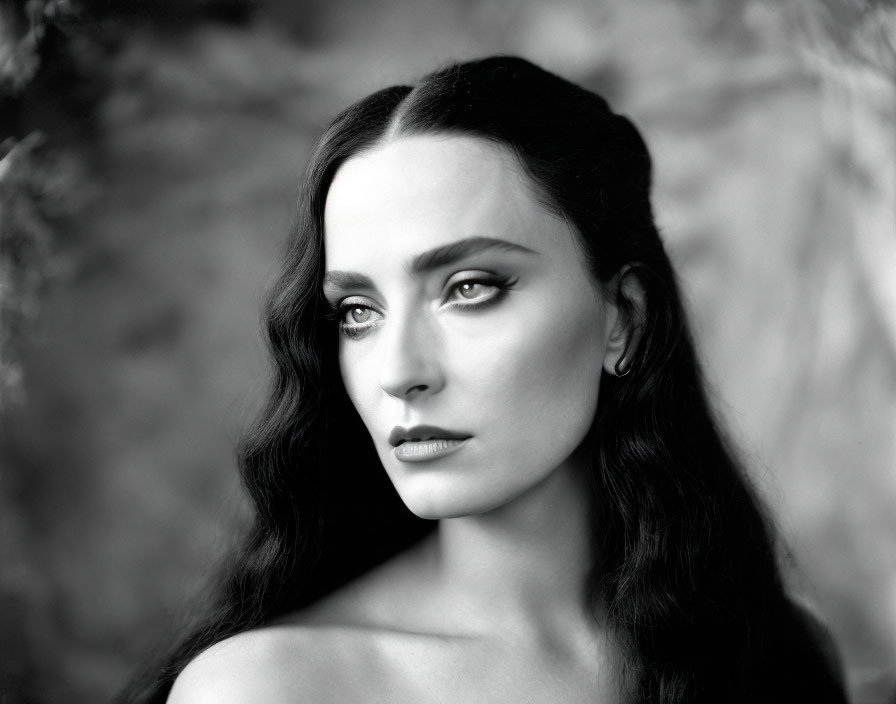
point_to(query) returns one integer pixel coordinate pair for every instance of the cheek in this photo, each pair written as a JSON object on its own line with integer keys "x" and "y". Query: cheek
{"x": 355, "y": 369}
{"x": 540, "y": 380}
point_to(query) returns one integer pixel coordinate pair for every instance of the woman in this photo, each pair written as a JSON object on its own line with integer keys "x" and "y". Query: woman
{"x": 478, "y": 301}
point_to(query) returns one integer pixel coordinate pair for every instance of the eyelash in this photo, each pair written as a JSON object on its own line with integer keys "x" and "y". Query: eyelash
{"x": 502, "y": 283}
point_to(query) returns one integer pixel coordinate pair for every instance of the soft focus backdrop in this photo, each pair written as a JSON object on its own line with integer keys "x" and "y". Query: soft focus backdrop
{"x": 149, "y": 184}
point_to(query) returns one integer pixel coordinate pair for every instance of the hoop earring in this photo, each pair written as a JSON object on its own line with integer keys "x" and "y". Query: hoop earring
{"x": 619, "y": 369}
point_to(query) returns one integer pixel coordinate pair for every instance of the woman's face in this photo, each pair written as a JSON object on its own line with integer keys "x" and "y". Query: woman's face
{"x": 465, "y": 305}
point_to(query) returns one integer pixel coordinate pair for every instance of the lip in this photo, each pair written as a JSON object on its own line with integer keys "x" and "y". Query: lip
{"x": 419, "y": 433}
{"x": 426, "y": 450}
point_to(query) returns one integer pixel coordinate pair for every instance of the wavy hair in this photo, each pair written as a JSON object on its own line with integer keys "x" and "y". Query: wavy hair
{"x": 684, "y": 563}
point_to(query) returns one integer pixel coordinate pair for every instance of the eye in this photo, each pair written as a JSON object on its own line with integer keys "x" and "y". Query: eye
{"x": 354, "y": 318}
{"x": 478, "y": 291}
{"x": 471, "y": 289}
{"x": 358, "y": 314}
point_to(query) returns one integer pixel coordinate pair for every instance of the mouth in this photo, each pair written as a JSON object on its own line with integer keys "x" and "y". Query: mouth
{"x": 427, "y": 450}
{"x": 421, "y": 433}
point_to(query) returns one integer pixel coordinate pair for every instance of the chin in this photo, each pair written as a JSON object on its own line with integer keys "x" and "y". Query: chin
{"x": 428, "y": 498}
{"x": 437, "y": 510}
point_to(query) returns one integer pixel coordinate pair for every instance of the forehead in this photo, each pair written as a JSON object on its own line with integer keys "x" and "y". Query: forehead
{"x": 418, "y": 192}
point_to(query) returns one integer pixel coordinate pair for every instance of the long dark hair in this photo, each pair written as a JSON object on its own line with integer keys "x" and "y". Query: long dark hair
{"x": 685, "y": 563}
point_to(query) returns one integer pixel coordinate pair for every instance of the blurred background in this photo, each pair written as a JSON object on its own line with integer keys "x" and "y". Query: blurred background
{"x": 152, "y": 155}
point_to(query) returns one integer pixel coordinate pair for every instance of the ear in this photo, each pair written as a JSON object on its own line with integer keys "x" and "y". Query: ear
{"x": 626, "y": 314}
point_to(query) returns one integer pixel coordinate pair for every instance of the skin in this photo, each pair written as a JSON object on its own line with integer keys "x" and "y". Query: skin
{"x": 521, "y": 376}
{"x": 491, "y": 608}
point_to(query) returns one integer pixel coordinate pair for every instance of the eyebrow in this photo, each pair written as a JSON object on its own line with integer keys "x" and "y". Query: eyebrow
{"x": 430, "y": 259}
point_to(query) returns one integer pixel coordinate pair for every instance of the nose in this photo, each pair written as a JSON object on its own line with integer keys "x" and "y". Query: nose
{"x": 410, "y": 365}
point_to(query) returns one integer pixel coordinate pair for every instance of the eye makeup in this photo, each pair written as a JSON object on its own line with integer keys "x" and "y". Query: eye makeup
{"x": 500, "y": 283}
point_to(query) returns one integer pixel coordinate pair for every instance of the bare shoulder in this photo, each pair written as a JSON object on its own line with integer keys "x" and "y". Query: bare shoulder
{"x": 338, "y": 649}
{"x": 274, "y": 664}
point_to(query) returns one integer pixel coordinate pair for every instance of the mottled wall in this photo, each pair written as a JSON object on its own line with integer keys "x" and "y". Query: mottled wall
{"x": 774, "y": 146}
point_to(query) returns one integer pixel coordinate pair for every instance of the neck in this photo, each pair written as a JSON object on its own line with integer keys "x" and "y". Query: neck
{"x": 521, "y": 569}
